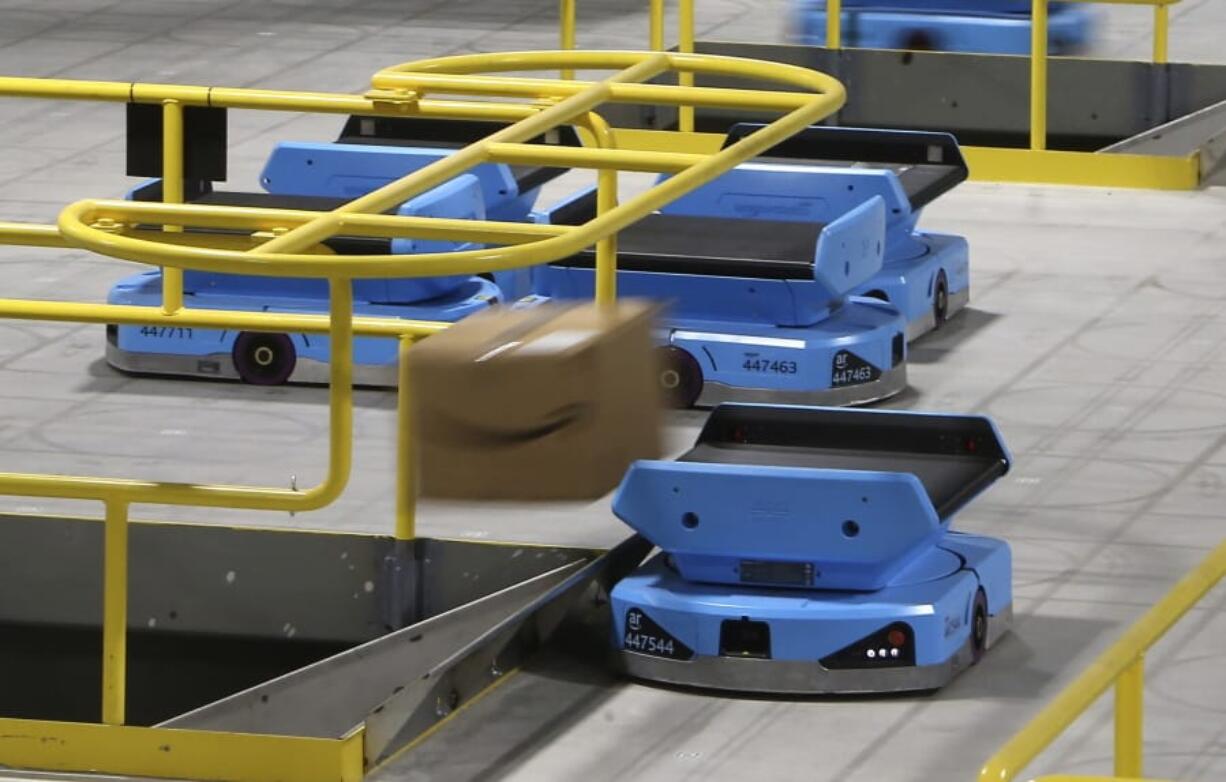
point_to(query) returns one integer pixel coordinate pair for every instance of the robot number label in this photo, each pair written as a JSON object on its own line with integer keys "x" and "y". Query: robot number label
{"x": 850, "y": 370}
{"x": 166, "y": 332}
{"x": 644, "y": 636}
{"x": 755, "y": 363}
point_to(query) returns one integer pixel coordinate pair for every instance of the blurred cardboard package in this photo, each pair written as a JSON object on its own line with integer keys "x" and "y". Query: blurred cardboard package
{"x": 550, "y": 402}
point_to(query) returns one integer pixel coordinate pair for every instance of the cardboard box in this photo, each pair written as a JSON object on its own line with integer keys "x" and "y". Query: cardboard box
{"x": 541, "y": 403}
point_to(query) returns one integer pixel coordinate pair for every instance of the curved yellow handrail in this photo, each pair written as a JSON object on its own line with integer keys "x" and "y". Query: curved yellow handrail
{"x": 91, "y": 224}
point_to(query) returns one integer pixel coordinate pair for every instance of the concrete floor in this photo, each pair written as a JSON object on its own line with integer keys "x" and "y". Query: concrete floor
{"x": 1095, "y": 338}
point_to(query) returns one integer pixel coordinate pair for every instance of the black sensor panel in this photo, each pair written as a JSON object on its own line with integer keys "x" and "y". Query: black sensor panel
{"x": 204, "y": 142}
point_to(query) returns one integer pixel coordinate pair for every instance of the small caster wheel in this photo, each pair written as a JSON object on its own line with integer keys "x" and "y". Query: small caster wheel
{"x": 680, "y": 377}
{"x": 264, "y": 359}
{"x": 979, "y": 627}
{"x": 940, "y": 300}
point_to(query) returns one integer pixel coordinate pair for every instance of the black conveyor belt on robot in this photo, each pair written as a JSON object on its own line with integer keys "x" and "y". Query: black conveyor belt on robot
{"x": 709, "y": 246}
{"x": 341, "y": 245}
{"x": 928, "y": 165}
{"x": 954, "y": 457}
{"x": 453, "y": 134}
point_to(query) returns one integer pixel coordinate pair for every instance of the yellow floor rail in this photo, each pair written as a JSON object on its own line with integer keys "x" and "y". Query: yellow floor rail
{"x": 1122, "y": 667}
{"x": 277, "y": 242}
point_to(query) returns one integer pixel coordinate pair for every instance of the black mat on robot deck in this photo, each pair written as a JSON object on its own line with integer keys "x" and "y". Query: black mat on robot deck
{"x": 718, "y": 247}
{"x": 453, "y": 134}
{"x": 927, "y": 164}
{"x": 341, "y": 245}
{"x": 954, "y": 457}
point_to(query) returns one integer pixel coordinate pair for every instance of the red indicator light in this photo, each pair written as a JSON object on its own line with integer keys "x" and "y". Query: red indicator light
{"x": 971, "y": 445}
{"x": 896, "y": 637}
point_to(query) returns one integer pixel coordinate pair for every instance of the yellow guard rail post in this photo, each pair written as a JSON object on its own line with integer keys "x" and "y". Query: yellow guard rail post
{"x": 115, "y": 228}
{"x": 834, "y": 24}
{"x": 1121, "y": 666}
{"x": 172, "y": 193}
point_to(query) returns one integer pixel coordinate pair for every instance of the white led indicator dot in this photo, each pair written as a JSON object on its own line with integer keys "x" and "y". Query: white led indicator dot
{"x": 893, "y": 652}
{"x": 871, "y": 654}
{"x": 883, "y": 652}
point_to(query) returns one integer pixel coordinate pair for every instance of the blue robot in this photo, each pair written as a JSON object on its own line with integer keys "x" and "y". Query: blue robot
{"x": 808, "y": 550}
{"x": 371, "y": 152}
{"x": 825, "y": 170}
{"x": 797, "y": 277}
{"x": 758, "y": 308}
{"x": 988, "y": 26}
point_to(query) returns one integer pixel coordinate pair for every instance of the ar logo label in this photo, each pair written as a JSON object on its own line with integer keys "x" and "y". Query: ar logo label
{"x": 644, "y": 636}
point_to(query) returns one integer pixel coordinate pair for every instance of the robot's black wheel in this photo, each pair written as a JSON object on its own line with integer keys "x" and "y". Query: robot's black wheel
{"x": 979, "y": 626}
{"x": 264, "y": 359}
{"x": 918, "y": 41}
{"x": 940, "y": 299}
{"x": 680, "y": 377}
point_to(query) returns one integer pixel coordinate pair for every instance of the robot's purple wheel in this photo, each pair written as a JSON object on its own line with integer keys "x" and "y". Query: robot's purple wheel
{"x": 680, "y": 377}
{"x": 979, "y": 626}
{"x": 264, "y": 359}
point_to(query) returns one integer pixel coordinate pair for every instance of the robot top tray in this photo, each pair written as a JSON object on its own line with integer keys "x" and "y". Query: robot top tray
{"x": 954, "y": 456}
{"x": 676, "y": 244}
{"x": 205, "y": 194}
{"x": 808, "y": 497}
{"x": 453, "y": 134}
{"x": 927, "y": 164}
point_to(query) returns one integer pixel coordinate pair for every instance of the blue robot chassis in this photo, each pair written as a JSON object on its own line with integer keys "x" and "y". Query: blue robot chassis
{"x": 370, "y": 152}
{"x": 796, "y": 278}
{"x": 988, "y": 26}
{"x": 808, "y": 550}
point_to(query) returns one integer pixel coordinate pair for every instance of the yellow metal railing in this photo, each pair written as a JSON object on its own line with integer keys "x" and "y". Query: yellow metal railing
{"x": 1122, "y": 667}
{"x": 567, "y": 18}
{"x": 1038, "y": 50}
{"x": 283, "y": 242}
{"x": 1038, "y": 56}
{"x": 1036, "y": 164}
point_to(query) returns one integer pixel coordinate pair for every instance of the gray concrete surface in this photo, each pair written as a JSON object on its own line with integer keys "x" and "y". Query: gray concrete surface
{"x": 1095, "y": 338}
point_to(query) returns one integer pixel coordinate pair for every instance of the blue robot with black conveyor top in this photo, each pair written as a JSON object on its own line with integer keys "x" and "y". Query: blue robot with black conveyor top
{"x": 824, "y": 170}
{"x": 370, "y": 152}
{"x": 809, "y": 550}
{"x": 987, "y": 26}
{"x": 795, "y": 278}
